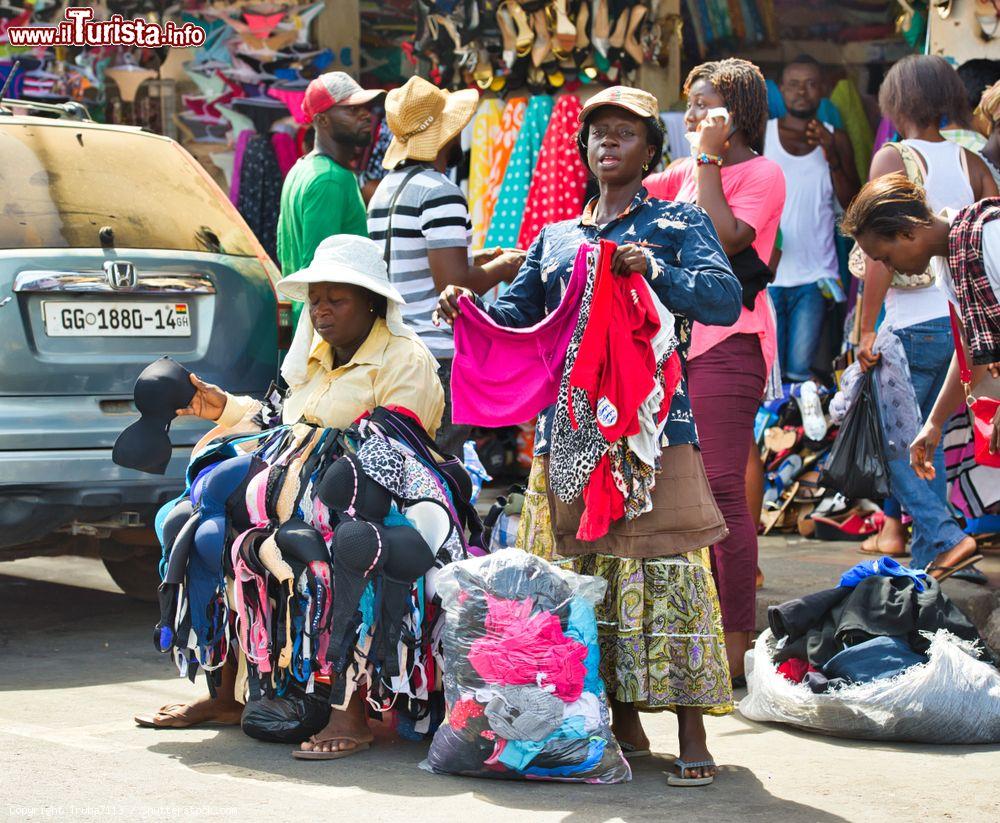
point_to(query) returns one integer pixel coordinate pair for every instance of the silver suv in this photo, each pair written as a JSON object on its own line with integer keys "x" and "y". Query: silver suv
{"x": 116, "y": 247}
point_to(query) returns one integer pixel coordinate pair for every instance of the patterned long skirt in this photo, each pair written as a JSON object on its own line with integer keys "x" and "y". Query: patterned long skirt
{"x": 660, "y": 625}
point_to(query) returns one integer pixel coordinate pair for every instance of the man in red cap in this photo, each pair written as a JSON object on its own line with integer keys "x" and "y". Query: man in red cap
{"x": 320, "y": 196}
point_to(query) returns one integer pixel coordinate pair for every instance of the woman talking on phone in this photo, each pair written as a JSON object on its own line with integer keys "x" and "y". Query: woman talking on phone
{"x": 728, "y": 367}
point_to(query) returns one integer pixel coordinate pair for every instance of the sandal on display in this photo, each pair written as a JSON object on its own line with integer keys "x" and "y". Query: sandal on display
{"x": 600, "y": 27}
{"x": 563, "y": 30}
{"x": 581, "y": 46}
{"x": 848, "y": 526}
{"x": 542, "y": 48}
{"x": 770, "y": 518}
{"x": 634, "y": 52}
{"x": 524, "y": 35}
{"x": 616, "y": 41}
{"x": 482, "y": 72}
{"x": 508, "y": 35}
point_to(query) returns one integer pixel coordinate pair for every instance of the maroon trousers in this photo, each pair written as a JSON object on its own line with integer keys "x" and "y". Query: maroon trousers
{"x": 726, "y": 384}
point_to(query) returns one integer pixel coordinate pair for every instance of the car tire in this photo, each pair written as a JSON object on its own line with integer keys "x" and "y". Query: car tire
{"x": 138, "y": 576}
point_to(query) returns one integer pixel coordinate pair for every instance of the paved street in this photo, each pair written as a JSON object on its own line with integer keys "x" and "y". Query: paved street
{"x": 78, "y": 662}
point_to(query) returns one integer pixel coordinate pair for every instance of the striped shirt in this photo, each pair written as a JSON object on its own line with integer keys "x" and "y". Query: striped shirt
{"x": 431, "y": 213}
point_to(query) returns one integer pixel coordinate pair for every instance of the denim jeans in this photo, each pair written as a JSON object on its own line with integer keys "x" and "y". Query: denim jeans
{"x": 929, "y": 348}
{"x": 800, "y": 311}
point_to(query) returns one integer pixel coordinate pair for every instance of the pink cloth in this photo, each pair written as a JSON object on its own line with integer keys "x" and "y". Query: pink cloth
{"x": 285, "y": 151}
{"x": 504, "y": 377}
{"x": 238, "y": 152}
{"x": 503, "y": 613}
{"x": 293, "y": 99}
{"x": 755, "y": 191}
{"x": 560, "y": 178}
{"x": 886, "y": 131}
{"x": 529, "y": 652}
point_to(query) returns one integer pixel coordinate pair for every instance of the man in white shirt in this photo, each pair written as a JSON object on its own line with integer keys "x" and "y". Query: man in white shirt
{"x": 819, "y": 169}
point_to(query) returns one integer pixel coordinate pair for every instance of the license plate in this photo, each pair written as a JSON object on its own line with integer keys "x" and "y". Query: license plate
{"x": 116, "y": 319}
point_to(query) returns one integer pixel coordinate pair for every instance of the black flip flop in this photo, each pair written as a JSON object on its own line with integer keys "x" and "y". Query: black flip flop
{"x": 949, "y": 571}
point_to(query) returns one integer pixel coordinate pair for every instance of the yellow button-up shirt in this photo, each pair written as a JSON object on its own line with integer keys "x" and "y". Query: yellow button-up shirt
{"x": 387, "y": 370}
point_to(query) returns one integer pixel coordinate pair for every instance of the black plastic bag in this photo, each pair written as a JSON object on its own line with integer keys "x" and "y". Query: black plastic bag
{"x": 293, "y": 718}
{"x": 857, "y": 467}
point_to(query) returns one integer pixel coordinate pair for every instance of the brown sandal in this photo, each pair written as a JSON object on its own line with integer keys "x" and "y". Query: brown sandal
{"x": 175, "y": 712}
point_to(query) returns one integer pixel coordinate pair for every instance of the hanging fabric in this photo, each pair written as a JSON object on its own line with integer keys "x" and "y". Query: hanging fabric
{"x": 506, "y": 224}
{"x": 846, "y": 98}
{"x": 486, "y": 148}
{"x": 506, "y": 139}
{"x": 560, "y": 177}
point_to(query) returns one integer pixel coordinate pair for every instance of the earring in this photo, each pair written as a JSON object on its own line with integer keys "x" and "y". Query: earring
{"x": 371, "y": 310}
{"x": 645, "y": 166}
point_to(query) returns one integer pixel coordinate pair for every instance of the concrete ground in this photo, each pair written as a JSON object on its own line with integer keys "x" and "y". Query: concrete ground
{"x": 77, "y": 662}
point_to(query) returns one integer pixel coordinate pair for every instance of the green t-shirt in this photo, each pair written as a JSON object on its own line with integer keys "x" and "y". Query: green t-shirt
{"x": 319, "y": 198}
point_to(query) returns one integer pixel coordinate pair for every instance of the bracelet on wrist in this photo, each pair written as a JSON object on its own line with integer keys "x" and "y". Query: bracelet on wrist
{"x": 704, "y": 159}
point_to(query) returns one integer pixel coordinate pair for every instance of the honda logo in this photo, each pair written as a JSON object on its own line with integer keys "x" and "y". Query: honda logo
{"x": 121, "y": 275}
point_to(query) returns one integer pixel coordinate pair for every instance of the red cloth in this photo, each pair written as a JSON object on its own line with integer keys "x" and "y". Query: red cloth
{"x": 462, "y": 712}
{"x": 603, "y": 503}
{"x": 559, "y": 178}
{"x": 615, "y": 364}
{"x": 796, "y": 669}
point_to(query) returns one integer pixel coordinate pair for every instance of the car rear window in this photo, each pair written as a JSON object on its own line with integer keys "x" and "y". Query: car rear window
{"x": 62, "y": 184}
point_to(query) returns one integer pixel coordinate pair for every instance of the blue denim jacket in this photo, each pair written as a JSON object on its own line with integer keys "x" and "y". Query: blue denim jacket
{"x": 688, "y": 271}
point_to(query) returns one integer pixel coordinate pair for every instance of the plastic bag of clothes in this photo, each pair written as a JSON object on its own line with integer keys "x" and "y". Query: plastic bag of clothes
{"x": 525, "y": 700}
{"x": 857, "y": 466}
{"x": 292, "y": 718}
{"x": 953, "y": 698}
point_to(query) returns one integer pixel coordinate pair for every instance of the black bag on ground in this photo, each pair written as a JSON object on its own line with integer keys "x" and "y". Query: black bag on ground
{"x": 857, "y": 467}
{"x": 293, "y": 718}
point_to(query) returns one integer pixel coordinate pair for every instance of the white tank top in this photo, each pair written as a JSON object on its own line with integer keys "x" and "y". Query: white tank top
{"x": 808, "y": 252}
{"x": 947, "y": 184}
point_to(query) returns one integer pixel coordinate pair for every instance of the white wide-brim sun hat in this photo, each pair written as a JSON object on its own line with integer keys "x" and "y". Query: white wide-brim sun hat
{"x": 342, "y": 258}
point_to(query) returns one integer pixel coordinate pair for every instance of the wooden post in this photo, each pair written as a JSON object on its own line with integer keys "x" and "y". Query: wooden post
{"x": 665, "y": 82}
{"x": 338, "y": 28}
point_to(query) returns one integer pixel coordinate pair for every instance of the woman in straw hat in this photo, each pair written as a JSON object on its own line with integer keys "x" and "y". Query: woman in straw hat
{"x": 428, "y": 235}
{"x": 660, "y": 628}
{"x": 351, "y": 353}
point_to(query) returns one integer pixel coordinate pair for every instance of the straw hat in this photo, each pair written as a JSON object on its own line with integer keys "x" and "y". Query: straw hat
{"x": 423, "y": 118}
{"x": 342, "y": 258}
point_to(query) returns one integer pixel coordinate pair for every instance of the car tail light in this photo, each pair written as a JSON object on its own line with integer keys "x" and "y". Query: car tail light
{"x": 285, "y": 330}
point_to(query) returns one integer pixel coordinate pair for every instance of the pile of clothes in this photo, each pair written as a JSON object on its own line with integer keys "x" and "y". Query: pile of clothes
{"x": 525, "y": 700}
{"x": 885, "y": 655}
{"x": 872, "y": 626}
{"x": 315, "y": 551}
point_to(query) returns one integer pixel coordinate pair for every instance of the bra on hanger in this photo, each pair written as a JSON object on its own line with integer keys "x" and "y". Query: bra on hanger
{"x": 262, "y": 25}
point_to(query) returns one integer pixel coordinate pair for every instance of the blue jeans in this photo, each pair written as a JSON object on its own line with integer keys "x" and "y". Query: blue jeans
{"x": 800, "y": 311}
{"x": 929, "y": 348}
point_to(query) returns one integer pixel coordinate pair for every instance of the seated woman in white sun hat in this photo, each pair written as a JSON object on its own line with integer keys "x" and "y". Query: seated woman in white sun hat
{"x": 351, "y": 353}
